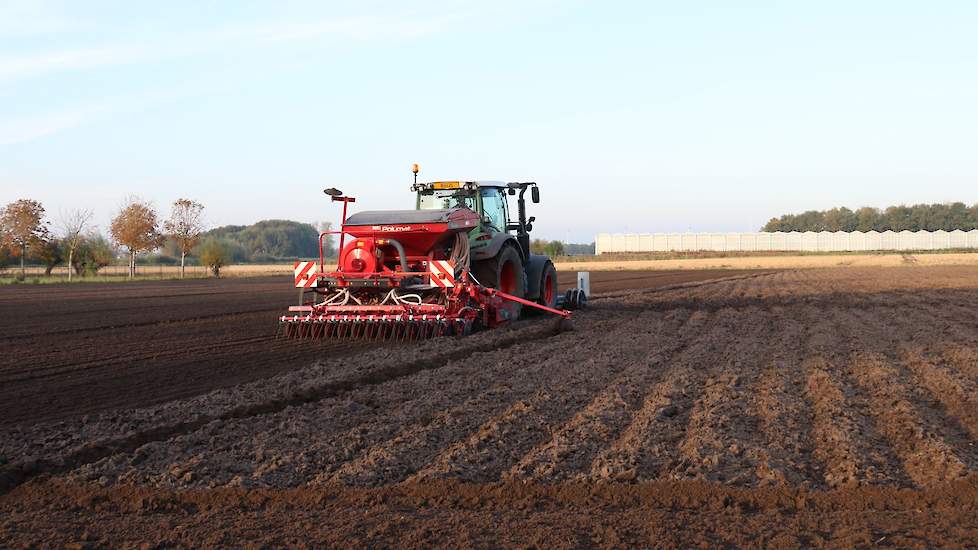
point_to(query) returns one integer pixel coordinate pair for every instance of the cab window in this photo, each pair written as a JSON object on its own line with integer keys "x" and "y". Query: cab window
{"x": 445, "y": 199}
{"x": 494, "y": 207}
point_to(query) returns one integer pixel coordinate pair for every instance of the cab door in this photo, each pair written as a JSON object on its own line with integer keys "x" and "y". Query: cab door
{"x": 495, "y": 213}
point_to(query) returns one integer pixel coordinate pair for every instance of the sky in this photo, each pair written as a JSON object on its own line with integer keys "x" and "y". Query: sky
{"x": 631, "y": 116}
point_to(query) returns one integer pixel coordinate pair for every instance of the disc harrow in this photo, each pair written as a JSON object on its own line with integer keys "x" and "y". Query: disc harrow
{"x": 400, "y": 328}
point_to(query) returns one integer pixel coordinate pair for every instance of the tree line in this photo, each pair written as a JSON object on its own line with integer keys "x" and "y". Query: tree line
{"x": 560, "y": 248}
{"x": 918, "y": 217}
{"x": 27, "y": 235}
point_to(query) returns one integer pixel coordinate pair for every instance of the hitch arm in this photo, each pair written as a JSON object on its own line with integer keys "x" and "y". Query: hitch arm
{"x": 493, "y": 292}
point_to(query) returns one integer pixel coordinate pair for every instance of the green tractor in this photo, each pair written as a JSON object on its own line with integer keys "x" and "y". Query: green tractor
{"x": 499, "y": 246}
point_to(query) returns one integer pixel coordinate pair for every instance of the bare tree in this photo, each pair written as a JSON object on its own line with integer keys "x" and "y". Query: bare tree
{"x": 73, "y": 225}
{"x": 23, "y": 225}
{"x": 136, "y": 228}
{"x": 185, "y": 226}
{"x": 325, "y": 227}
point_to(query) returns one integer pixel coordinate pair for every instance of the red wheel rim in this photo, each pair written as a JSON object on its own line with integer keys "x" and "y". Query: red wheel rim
{"x": 507, "y": 278}
{"x": 548, "y": 289}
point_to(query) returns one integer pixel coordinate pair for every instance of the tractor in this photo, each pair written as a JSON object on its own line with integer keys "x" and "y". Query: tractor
{"x": 456, "y": 263}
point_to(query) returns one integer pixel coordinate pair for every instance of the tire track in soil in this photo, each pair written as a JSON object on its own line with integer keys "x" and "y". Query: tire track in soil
{"x": 377, "y": 445}
{"x": 918, "y": 433}
{"x": 558, "y": 452}
{"x": 847, "y": 440}
{"x": 723, "y": 442}
{"x": 417, "y": 445}
{"x": 12, "y": 475}
{"x": 958, "y": 402}
{"x": 176, "y": 350}
{"x": 950, "y": 395}
{"x": 343, "y": 426}
{"x": 785, "y": 417}
{"x": 646, "y": 446}
{"x": 639, "y": 293}
{"x": 137, "y": 324}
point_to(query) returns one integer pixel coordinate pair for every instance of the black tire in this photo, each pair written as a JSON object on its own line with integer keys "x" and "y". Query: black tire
{"x": 504, "y": 272}
{"x": 548, "y": 288}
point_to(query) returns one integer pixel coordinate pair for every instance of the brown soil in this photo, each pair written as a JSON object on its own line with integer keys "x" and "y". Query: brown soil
{"x": 817, "y": 407}
{"x": 77, "y": 349}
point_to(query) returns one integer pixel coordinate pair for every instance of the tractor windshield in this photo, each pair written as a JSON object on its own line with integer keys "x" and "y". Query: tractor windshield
{"x": 446, "y": 198}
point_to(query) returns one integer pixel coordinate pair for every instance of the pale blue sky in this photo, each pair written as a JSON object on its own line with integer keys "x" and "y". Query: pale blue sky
{"x": 633, "y": 116}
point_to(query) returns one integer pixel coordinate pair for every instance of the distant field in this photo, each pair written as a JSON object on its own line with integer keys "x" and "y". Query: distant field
{"x": 703, "y": 254}
{"x": 611, "y": 262}
{"x": 591, "y": 263}
{"x": 115, "y": 272}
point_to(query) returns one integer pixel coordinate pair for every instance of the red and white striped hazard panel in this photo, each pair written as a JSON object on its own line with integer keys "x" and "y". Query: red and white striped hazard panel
{"x": 441, "y": 273}
{"x": 305, "y": 274}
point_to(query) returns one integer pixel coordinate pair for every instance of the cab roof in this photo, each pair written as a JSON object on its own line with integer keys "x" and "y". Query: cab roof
{"x": 478, "y": 183}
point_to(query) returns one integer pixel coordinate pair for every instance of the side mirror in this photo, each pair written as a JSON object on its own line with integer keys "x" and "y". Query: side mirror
{"x": 535, "y": 194}
{"x": 511, "y": 191}
{"x": 529, "y": 223}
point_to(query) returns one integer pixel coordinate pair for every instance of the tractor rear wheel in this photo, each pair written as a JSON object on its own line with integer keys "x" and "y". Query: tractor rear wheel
{"x": 505, "y": 273}
{"x": 548, "y": 287}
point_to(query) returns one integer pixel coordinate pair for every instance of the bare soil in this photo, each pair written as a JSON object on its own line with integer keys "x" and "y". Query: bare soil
{"x": 815, "y": 407}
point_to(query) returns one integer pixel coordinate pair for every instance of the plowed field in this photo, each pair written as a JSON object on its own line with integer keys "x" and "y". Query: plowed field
{"x": 812, "y": 407}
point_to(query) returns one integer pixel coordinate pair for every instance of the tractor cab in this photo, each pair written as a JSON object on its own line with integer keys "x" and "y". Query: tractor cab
{"x": 488, "y": 199}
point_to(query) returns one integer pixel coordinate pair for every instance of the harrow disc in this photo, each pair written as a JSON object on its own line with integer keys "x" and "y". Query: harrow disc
{"x": 370, "y": 328}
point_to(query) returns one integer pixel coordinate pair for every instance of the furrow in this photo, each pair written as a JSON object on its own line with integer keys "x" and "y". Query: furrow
{"x": 926, "y": 457}
{"x": 646, "y": 448}
{"x": 16, "y": 473}
{"x": 533, "y": 403}
{"x": 722, "y": 442}
{"x": 784, "y": 416}
{"x": 959, "y": 403}
{"x": 848, "y": 443}
{"x": 571, "y": 447}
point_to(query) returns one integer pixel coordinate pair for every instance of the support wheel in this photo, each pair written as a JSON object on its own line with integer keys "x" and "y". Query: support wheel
{"x": 575, "y": 298}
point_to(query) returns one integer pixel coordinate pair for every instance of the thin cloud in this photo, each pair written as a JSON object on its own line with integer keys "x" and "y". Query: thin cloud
{"x": 20, "y": 18}
{"x": 30, "y": 65}
{"x": 30, "y": 128}
{"x": 391, "y": 26}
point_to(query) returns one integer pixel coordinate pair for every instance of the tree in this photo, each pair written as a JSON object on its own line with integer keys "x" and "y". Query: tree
{"x": 268, "y": 240}
{"x": 4, "y": 254}
{"x": 23, "y": 226}
{"x": 50, "y": 254}
{"x": 185, "y": 226}
{"x": 919, "y": 217}
{"x": 324, "y": 227}
{"x": 94, "y": 252}
{"x": 547, "y": 248}
{"x": 537, "y": 246}
{"x": 839, "y": 219}
{"x": 72, "y": 225}
{"x": 214, "y": 254}
{"x": 554, "y": 249}
{"x": 867, "y": 219}
{"x": 136, "y": 228}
